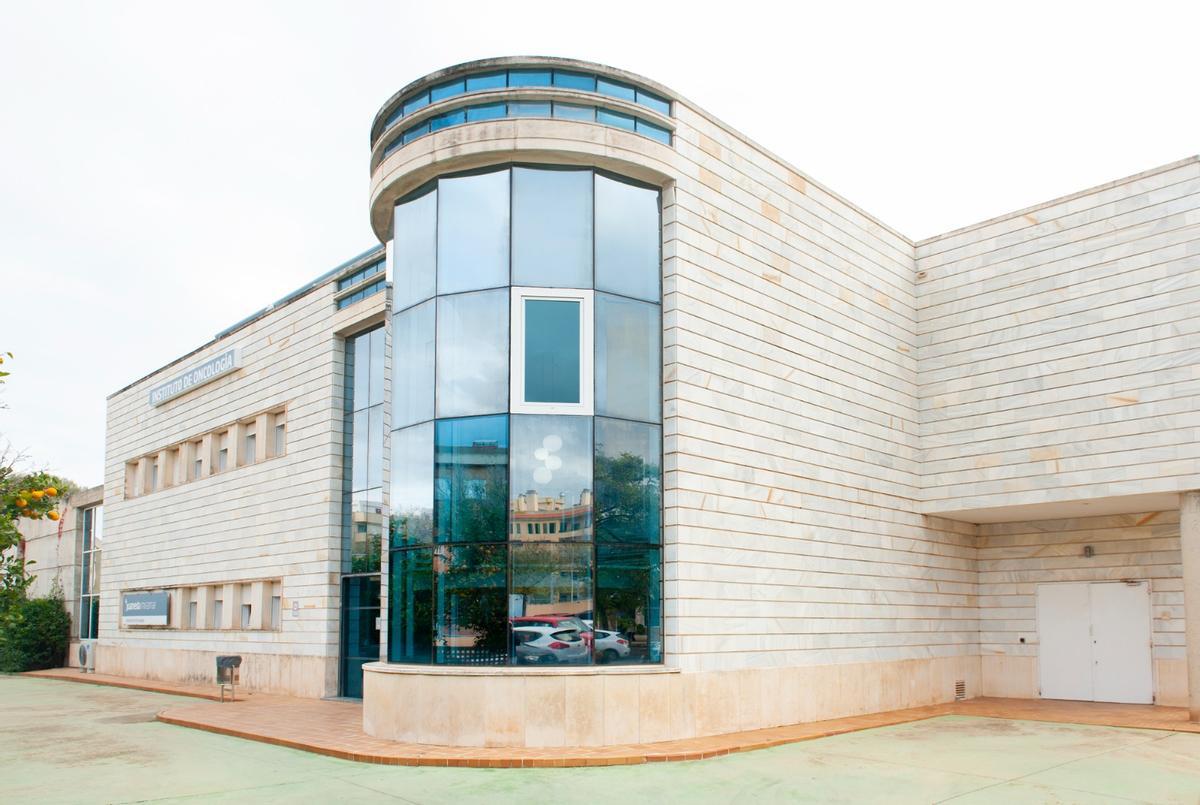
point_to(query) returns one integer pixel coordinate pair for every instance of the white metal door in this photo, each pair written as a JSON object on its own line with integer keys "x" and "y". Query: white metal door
{"x": 1122, "y": 669}
{"x": 1064, "y": 641}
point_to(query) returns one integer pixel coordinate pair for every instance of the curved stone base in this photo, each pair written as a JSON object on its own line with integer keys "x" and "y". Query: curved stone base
{"x": 609, "y": 705}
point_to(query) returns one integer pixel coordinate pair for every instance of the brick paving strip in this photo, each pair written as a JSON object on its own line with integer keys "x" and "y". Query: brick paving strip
{"x": 334, "y": 728}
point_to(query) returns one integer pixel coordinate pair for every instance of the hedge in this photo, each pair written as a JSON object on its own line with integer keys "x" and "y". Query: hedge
{"x": 34, "y": 634}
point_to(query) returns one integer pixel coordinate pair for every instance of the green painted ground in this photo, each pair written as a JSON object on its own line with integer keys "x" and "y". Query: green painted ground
{"x": 63, "y": 742}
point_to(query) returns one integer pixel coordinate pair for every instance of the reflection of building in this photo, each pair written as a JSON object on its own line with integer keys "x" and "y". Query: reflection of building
{"x": 547, "y": 518}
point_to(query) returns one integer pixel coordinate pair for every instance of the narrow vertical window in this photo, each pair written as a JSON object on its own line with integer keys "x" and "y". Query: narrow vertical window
{"x": 251, "y": 445}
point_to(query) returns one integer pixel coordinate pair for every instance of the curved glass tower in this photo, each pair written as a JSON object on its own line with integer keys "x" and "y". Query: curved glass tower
{"x": 526, "y": 450}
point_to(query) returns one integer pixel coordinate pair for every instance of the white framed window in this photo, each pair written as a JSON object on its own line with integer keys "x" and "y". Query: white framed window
{"x": 552, "y": 351}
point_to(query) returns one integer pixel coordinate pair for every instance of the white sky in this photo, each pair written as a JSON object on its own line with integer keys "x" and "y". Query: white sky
{"x": 169, "y": 169}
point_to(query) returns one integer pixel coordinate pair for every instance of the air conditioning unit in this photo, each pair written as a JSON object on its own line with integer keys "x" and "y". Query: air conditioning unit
{"x": 87, "y": 656}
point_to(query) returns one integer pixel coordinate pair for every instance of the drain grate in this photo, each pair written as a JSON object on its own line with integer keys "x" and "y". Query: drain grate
{"x": 960, "y": 690}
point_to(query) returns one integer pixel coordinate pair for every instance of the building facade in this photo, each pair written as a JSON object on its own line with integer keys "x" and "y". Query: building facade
{"x": 644, "y": 434}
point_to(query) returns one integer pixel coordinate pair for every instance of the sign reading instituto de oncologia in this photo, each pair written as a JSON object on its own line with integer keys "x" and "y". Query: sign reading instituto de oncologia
{"x": 216, "y": 366}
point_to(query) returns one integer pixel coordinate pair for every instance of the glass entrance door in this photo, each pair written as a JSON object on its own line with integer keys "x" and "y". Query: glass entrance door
{"x": 360, "y": 630}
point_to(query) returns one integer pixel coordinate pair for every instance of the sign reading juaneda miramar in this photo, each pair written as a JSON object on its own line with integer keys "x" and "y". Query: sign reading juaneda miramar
{"x": 211, "y": 369}
{"x": 145, "y": 609}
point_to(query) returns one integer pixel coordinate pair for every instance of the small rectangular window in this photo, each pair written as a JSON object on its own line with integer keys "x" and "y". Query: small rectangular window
{"x": 197, "y": 469}
{"x": 477, "y": 83}
{"x": 218, "y": 612}
{"x": 153, "y": 476}
{"x": 580, "y": 81}
{"x": 486, "y": 111}
{"x": 415, "y": 103}
{"x": 529, "y": 78}
{"x": 191, "y": 619}
{"x": 615, "y": 89}
{"x": 652, "y": 101}
{"x": 570, "y": 111}
{"x": 610, "y": 118}
{"x": 250, "y": 447}
{"x": 222, "y": 459}
{"x": 276, "y": 611}
{"x": 552, "y": 334}
{"x": 653, "y": 132}
{"x": 447, "y": 90}
{"x": 448, "y": 119}
{"x": 280, "y": 446}
{"x": 529, "y": 109}
{"x": 246, "y": 616}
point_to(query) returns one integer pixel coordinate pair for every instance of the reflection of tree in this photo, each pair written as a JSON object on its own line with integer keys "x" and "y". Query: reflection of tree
{"x": 627, "y": 499}
{"x": 411, "y": 600}
{"x": 471, "y": 502}
{"x": 473, "y": 599}
{"x": 626, "y": 584}
{"x": 367, "y": 554}
{"x": 413, "y": 527}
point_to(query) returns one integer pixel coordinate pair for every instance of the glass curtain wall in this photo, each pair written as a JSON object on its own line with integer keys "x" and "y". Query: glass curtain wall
{"x": 364, "y": 519}
{"x": 527, "y": 538}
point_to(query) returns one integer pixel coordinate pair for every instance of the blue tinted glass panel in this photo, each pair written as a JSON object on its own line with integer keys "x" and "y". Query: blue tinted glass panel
{"x": 414, "y": 250}
{"x": 551, "y": 478}
{"x": 627, "y": 239}
{"x": 411, "y": 521}
{"x": 410, "y": 602}
{"x": 628, "y": 614}
{"x": 552, "y": 350}
{"x": 529, "y": 109}
{"x": 654, "y": 132}
{"x": 415, "y": 132}
{"x": 415, "y": 103}
{"x": 471, "y": 611}
{"x": 412, "y": 365}
{"x": 472, "y": 232}
{"x": 378, "y": 348}
{"x": 628, "y": 481}
{"x": 472, "y": 353}
{"x": 615, "y": 89}
{"x": 552, "y": 227}
{"x": 628, "y": 357}
{"x": 551, "y": 578}
{"x": 452, "y": 118}
{"x": 486, "y": 111}
{"x": 610, "y": 118}
{"x": 529, "y": 78}
{"x": 393, "y": 145}
{"x": 447, "y": 90}
{"x": 396, "y": 114}
{"x": 652, "y": 101}
{"x": 478, "y": 83}
{"x": 581, "y": 81}
{"x": 471, "y": 479}
{"x": 572, "y": 111}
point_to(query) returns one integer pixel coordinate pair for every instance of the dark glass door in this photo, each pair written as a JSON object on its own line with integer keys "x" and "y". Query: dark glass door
{"x": 360, "y": 630}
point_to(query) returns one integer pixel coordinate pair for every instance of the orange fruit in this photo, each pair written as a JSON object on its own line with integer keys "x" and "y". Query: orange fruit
{"x": 21, "y": 503}
{"x": 51, "y": 491}
{"x": 27, "y": 512}
{"x": 53, "y": 515}
{"x": 37, "y": 494}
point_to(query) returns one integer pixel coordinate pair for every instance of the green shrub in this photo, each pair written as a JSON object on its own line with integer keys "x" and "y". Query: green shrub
{"x": 34, "y": 634}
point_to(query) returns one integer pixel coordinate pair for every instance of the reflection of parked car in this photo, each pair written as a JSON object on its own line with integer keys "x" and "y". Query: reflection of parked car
{"x": 548, "y": 644}
{"x": 557, "y": 621}
{"x": 610, "y": 645}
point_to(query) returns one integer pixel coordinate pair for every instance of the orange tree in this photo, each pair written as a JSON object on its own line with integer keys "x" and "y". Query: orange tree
{"x": 23, "y": 495}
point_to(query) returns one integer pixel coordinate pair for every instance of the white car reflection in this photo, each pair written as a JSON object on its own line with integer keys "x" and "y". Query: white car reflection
{"x": 610, "y": 646}
{"x": 549, "y": 644}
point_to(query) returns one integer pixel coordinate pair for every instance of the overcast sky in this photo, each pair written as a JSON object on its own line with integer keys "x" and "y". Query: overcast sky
{"x": 168, "y": 169}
